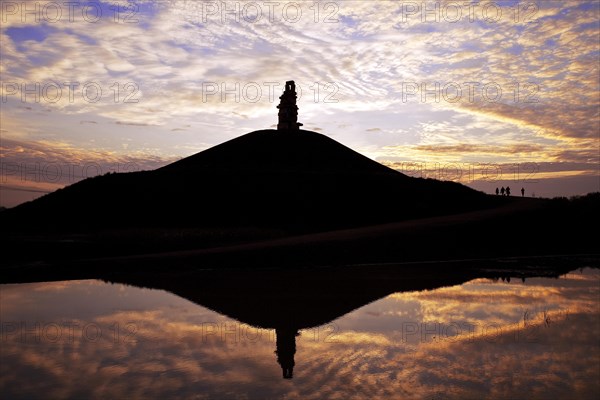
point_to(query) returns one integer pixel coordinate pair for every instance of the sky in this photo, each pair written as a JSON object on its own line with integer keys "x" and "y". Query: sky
{"x": 488, "y": 93}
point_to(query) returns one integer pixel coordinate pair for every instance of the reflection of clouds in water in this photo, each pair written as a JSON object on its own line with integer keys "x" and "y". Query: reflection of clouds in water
{"x": 502, "y": 303}
{"x": 181, "y": 349}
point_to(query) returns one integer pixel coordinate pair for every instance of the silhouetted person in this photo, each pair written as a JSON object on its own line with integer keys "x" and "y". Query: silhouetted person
{"x": 522, "y": 192}
{"x": 508, "y": 190}
{"x": 497, "y": 191}
{"x": 286, "y": 348}
{"x": 502, "y": 190}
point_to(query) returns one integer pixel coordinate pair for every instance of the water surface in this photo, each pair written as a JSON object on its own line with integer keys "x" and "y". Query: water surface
{"x": 484, "y": 338}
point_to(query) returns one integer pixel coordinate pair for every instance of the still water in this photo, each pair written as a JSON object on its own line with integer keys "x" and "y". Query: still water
{"x": 484, "y": 338}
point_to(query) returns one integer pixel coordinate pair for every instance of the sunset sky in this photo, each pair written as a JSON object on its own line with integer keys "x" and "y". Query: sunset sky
{"x": 489, "y": 94}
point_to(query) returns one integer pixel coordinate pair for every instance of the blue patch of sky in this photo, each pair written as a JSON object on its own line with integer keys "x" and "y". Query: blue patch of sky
{"x": 205, "y": 51}
{"x": 41, "y": 59}
{"x": 118, "y": 74}
{"x": 263, "y": 47}
{"x": 481, "y": 23}
{"x": 38, "y": 33}
{"x": 356, "y": 35}
{"x": 471, "y": 46}
{"x": 427, "y": 27}
{"x": 181, "y": 45}
{"x": 192, "y": 25}
{"x": 94, "y": 10}
{"x": 431, "y": 68}
{"x": 348, "y": 29}
{"x": 193, "y": 48}
{"x": 348, "y": 21}
{"x": 145, "y": 13}
{"x": 589, "y": 26}
{"x": 520, "y": 29}
{"x": 508, "y": 3}
{"x": 589, "y": 6}
{"x": 226, "y": 42}
{"x": 515, "y": 49}
{"x": 595, "y": 54}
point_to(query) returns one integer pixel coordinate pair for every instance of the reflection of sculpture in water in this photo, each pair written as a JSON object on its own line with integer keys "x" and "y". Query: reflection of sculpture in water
{"x": 286, "y": 349}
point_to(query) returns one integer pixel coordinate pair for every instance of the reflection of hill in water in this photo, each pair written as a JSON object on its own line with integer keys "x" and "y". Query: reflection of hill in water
{"x": 290, "y": 300}
{"x": 298, "y": 298}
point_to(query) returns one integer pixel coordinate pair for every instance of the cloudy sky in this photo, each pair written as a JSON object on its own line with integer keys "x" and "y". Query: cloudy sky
{"x": 489, "y": 94}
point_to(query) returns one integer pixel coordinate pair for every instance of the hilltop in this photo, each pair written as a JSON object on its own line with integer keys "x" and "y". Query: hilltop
{"x": 277, "y": 198}
{"x": 299, "y": 181}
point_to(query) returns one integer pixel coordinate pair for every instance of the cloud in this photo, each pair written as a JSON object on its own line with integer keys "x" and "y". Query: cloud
{"x": 474, "y": 148}
{"x": 45, "y": 166}
{"x": 132, "y": 123}
{"x": 174, "y": 67}
{"x": 24, "y": 189}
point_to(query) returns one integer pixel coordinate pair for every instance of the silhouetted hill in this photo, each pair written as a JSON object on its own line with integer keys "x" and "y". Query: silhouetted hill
{"x": 268, "y": 151}
{"x": 297, "y": 181}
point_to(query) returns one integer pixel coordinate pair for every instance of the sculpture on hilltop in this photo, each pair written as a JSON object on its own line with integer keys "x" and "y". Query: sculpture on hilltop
{"x": 288, "y": 110}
